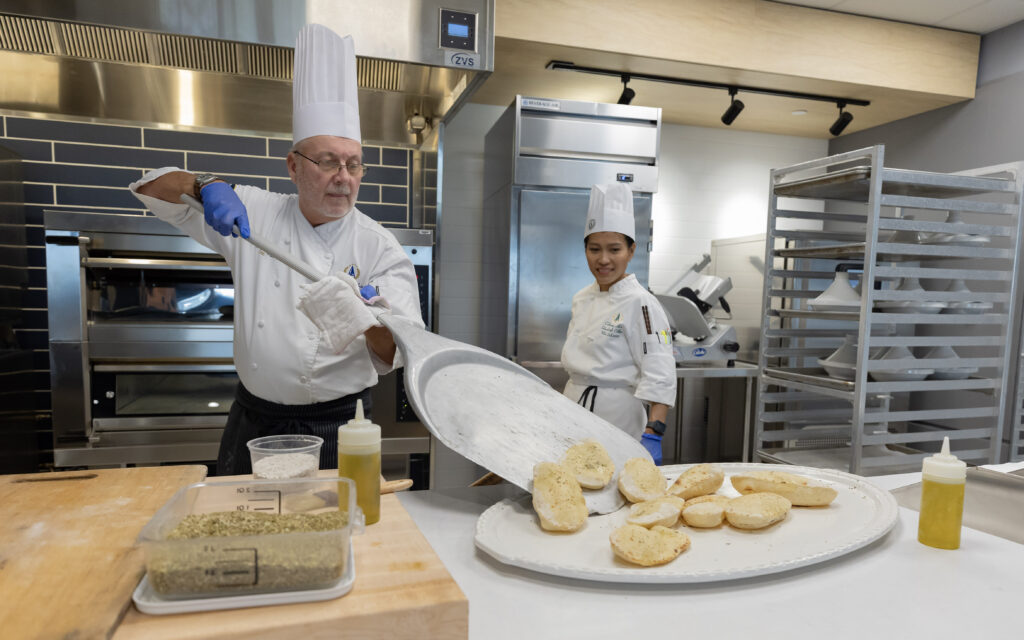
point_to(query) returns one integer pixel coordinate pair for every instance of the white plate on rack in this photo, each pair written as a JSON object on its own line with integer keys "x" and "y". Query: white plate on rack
{"x": 968, "y": 307}
{"x": 149, "y": 601}
{"x": 840, "y": 370}
{"x": 847, "y": 308}
{"x": 903, "y": 375}
{"x": 910, "y": 307}
{"x": 960, "y": 240}
{"x": 861, "y": 513}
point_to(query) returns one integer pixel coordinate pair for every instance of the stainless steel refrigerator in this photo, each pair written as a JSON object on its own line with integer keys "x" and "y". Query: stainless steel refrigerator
{"x": 541, "y": 158}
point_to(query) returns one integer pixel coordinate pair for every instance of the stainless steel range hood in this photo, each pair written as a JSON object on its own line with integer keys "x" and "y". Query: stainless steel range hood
{"x": 227, "y": 64}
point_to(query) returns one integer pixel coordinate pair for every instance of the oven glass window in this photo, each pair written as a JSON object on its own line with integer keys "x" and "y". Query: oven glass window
{"x": 159, "y": 295}
{"x": 174, "y": 393}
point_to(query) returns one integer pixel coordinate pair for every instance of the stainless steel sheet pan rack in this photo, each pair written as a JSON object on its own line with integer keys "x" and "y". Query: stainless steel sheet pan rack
{"x": 934, "y": 259}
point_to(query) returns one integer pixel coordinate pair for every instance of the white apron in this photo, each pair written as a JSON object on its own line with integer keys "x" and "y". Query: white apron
{"x": 619, "y": 342}
{"x": 616, "y": 405}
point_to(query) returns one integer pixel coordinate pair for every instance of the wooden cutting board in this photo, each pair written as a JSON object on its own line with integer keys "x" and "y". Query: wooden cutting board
{"x": 68, "y": 560}
{"x": 402, "y": 590}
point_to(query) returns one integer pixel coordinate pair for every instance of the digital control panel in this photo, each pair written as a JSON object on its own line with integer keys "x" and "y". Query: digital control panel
{"x": 458, "y": 30}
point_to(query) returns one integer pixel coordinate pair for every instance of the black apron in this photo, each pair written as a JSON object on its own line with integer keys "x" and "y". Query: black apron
{"x": 252, "y": 417}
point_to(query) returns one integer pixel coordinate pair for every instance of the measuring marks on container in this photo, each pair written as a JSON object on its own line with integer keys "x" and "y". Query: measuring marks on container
{"x": 239, "y": 566}
{"x": 268, "y": 500}
{"x": 233, "y": 566}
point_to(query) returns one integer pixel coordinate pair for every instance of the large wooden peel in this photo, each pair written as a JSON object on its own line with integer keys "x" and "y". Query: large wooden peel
{"x": 486, "y": 407}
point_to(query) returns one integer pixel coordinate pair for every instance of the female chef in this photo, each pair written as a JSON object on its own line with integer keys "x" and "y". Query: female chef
{"x": 618, "y": 350}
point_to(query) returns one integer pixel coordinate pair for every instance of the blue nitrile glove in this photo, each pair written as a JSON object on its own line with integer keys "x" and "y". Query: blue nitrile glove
{"x": 368, "y": 291}
{"x": 652, "y": 442}
{"x": 223, "y": 210}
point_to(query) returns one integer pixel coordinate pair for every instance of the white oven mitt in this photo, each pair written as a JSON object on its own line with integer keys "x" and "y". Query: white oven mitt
{"x": 335, "y": 306}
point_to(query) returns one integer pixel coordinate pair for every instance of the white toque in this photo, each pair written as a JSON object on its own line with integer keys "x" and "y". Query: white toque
{"x": 611, "y": 209}
{"x": 325, "y": 95}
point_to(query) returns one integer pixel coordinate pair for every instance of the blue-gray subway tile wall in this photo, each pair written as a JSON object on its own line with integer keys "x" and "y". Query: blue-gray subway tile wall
{"x": 86, "y": 167}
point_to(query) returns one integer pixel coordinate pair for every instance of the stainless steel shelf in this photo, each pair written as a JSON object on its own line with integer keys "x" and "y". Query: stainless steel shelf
{"x": 854, "y": 184}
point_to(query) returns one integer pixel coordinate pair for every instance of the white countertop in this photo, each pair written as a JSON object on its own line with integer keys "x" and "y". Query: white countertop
{"x": 894, "y": 588}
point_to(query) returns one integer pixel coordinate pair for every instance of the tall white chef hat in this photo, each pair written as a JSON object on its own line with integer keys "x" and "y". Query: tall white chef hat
{"x": 325, "y": 98}
{"x": 611, "y": 209}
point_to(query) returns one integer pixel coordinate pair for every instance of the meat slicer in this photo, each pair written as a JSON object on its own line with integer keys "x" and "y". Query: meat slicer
{"x": 697, "y": 336}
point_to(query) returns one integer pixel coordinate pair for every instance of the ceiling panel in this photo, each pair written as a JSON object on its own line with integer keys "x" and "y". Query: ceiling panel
{"x": 974, "y": 16}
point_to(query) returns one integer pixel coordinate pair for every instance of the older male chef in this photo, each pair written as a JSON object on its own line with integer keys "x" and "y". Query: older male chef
{"x": 300, "y": 371}
{"x": 618, "y": 350}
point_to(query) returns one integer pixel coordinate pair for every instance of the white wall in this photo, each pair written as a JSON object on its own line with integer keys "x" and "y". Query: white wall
{"x": 714, "y": 184}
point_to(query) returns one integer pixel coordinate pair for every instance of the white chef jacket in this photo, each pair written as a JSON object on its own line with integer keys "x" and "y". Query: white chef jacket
{"x": 620, "y": 339}
{"x": 279, "y": 354}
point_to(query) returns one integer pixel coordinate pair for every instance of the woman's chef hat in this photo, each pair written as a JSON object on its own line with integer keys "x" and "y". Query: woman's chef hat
{"x": 611, "y": 209}
{"x": 325, "y": 97}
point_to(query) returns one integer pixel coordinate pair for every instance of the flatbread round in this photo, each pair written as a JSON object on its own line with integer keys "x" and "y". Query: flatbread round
{"x": 756, "y": 510}
{"x": 698, "y": 480}
{"x": 640, "y": 480}
{"x": 558, "y": 498}
{"x": 648, "y": 547}
{"x": 663, "y": 511}
{"x": 591, "y": 464}
{"x": 800, "y": 491}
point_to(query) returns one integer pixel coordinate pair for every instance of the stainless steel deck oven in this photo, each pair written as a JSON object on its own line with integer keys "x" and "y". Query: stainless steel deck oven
{"x": 140, "y": 322}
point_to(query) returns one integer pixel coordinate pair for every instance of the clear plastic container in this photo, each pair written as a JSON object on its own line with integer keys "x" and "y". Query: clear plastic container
{"x": 285, "y": 456}
{"x": 247, "y": 564}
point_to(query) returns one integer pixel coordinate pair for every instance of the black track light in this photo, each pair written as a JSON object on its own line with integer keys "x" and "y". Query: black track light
{"x": 845, "y": 118}
{"x": 735, "y": 106}
{"x": 627, "y": 94}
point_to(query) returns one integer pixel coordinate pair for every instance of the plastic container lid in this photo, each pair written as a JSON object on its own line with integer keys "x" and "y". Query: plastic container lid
{"x": 358, "y": 432}
{"x": 944, "y": 465}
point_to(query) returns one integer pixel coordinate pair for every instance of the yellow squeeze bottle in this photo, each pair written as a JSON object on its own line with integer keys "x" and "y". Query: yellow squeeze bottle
{"x": 359, "y": 460}
{"x": 943, "y": 478}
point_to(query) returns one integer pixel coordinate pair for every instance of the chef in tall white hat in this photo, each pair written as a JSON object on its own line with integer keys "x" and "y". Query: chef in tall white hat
{"x": 304, "y": 353}
{"x": 618, "y": 350}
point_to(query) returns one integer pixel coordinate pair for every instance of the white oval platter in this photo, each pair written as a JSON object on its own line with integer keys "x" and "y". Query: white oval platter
{"x": 861, "y": 513}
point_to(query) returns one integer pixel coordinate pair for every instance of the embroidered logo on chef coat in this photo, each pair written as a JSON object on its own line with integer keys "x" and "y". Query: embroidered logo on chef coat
{"x": 353, "y": 271}
{"x": 613, "y": 328}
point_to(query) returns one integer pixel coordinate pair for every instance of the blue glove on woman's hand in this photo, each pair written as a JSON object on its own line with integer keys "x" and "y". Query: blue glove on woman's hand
{"x": 652, "y": 442}
{"x": 223, "y": 210}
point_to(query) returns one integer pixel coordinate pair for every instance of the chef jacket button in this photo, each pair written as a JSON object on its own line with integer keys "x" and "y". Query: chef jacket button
{"x": 327, "y": 257}
{"x": 287, "y": 241}
{"x": 303, "y": 379}
{"x": 277, "y": 283}
{"x": 255, "y": 366}
{"x": 260, "y": 324}
{"x": 312, "y": 336}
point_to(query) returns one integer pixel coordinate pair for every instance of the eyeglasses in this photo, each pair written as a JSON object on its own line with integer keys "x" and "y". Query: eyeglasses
{"x": 355, "y": 169}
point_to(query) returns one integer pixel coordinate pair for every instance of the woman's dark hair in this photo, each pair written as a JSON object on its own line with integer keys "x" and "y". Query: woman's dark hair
{"x": 629, "y": 241}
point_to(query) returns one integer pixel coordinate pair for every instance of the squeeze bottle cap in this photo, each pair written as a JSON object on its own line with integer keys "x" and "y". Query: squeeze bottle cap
{"x": 358, "y": 432}
{"x": 944, "y": 465}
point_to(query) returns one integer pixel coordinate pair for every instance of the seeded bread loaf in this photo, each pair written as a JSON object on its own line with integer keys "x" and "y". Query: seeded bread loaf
{"x": 640, "y": 480}
{"x": 648, "y": 547}
{"x": 558, "y": 498}
{"x": 756, "y": 510}
{"x": 800, "y": 491}
{"x": 591, "y": 464}
{"x": 698, "y": 480}
{"x": 663, "y": 511}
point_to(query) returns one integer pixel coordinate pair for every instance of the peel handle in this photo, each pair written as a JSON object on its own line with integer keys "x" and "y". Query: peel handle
{"x": 268, "y": 247}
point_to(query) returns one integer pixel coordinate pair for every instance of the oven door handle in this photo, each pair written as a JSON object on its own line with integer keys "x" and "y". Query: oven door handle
{"x": 134, "y": 263}
{"x": 268, "y": 247}
{"x": 164, "y": 368}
